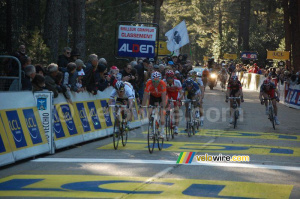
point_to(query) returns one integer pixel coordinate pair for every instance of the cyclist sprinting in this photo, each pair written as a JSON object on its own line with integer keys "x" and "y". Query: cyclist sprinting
{"x": 193, "y": 93}
{"x": 234, "y": 89}
{"x": 174, "y": 91}
{"x": 194, "y": 76}
{"x": 155, "y": 92}
{"x": 268, "y": 90}
{"x": 125, "y": 95}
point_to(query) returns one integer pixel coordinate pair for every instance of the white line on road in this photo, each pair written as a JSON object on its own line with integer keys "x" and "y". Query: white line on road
{"x": 167, "y": 162}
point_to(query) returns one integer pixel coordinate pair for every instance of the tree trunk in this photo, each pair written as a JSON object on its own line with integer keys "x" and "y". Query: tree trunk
{"x": 79, "y": 27}
{"x": 9, "y": 26}
{"x": 246, "y": 25}
{"x": 52, "y": 25}
{"x": 64, "y": 23}
{"x": 287, "y": 28}
{"x": 34, "y": 16}
{"x": 295, "y": 29}
{"x": 241, "y": 30}
{"x": 157, "y": 5}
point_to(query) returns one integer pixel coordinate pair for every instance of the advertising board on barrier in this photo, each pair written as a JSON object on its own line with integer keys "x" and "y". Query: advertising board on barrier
{"x": 293, "y": 97}
{"x": 6, "y": 156}
{"x": 136, "y": 41}
{"x": 45, "y": 108}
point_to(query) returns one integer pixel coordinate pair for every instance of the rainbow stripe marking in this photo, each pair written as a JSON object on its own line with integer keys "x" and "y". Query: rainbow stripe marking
{"x": 185, "y": 158}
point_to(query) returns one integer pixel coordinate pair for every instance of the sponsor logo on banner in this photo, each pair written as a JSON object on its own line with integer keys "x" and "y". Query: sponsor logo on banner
{"x": 32, "y": 126}
{"x": 230, "y": 56}
{"x": 42, "y": 102}
{"x": 83, "y": 117}
{"x": 281, "y": 55}
{"x": 68, "y": 119}
{"x": 136, "y": 41}
{"x": 2, "y": 147}
{"x": 16, "y": 128}
{"x": 293, "y": 97}
{"x": 94, "y": 115}
{"x": 162, "y": 48}
{"x": 106, "y": 116}
{"x": 249, "y": 55}
{"x": 58, "y": 129}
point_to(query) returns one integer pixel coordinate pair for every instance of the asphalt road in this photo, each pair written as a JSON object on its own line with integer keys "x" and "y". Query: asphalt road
{"x": 96, "y": 170}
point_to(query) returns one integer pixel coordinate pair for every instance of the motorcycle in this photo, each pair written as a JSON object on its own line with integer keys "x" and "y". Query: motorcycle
{"x": 212, "y": 80}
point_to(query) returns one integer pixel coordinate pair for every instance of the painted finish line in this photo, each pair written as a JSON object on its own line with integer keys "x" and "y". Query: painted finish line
{"x": 212, "y": 148}
{"x": 95, "y": 186}
{"x": 167, "y": 162}
{"x": 240, "y": 134}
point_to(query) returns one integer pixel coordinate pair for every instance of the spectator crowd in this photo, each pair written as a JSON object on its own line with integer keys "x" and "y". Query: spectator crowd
{"x": 71, "y": 74}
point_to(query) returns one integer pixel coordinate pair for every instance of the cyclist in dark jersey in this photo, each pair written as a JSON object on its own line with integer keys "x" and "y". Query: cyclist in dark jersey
{"x": 234, "y": 89}
{"x": 268, "y": 90}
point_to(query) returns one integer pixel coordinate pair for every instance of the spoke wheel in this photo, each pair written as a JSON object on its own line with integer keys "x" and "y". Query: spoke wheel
{"x": 116, "y": 134}
{"x": 151, "y": 139}
{"x": 236, "y": 116}
{"x": 168, "y": 127}
{"x": 124, "y": 135}
{"x": 271, "y": 115}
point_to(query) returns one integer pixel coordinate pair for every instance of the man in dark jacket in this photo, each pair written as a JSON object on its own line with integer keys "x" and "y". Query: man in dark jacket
{"x": 64, "y": 59}
{"x": 89, "y": 80}
{"x": 140, "y": 71}
{"x": 29, "y": 76}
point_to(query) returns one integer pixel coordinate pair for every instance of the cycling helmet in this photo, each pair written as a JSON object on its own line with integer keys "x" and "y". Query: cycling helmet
{"x": 170, "y": 73}
{"x": 266, "y": 82}
{"x": 189, "y": 82}
{"x": 234, "y": 78}
{"x": 155, "y": 75}
{"x": 120, "y": 86}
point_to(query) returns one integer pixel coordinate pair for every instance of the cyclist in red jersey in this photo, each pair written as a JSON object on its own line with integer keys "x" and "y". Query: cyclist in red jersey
{"x": 268, "y": 90}
{"x": 174, "y": 91}
{"x": 156, "y": 92}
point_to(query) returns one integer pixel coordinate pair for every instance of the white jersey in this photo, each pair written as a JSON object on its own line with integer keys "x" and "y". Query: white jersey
{"x": 129, "y": 92}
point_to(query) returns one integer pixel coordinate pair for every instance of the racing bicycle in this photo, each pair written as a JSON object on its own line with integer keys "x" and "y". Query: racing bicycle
{"x": 236, "y": 112}
{"x": 271, "y": 111}
{"x": 153, "y": 129}
{"x": 190, "y": 122}
{"x": 122, "y": 133}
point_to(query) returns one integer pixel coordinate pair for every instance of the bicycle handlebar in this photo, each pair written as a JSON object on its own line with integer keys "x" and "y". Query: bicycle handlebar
{"x": 150, "y": 106}
{"x": 234, "y": 97}
{"x": 188, "y": 100}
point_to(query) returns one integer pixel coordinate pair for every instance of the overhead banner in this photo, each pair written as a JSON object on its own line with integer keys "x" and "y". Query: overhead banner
{"x": 136, "y": 41}
{"x": 249, "y": 55}
{"x": 281, "y": 55}
{"x": 230, "y": 56}
{"x": 162, "y": 49}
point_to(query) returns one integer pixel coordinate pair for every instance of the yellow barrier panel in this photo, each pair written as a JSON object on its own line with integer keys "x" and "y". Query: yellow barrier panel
{"x": 6, "y": 156}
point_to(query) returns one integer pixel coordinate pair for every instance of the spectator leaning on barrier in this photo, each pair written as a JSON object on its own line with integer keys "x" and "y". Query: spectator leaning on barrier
{"x": 103, "y": 61}
{"x": 64, "y": 59}
{"x": 90, "y": 73}
{"x": 40, "y": 69}
{"x": 103, "y": 79}
{"x": 62, "y": 88}
{"x": 80, "y": 65}
{"x": 38, "y": 83}
{"x": 50, "y": 78}
{"x": 29, "y": 76}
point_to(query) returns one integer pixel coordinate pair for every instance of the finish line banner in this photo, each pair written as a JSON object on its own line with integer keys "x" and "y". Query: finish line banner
{"x": 136, "y": 41}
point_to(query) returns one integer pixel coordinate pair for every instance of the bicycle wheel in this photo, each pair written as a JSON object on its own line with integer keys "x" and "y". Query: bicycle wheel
{"x": 168, "y": 127}
{"x": 171, "y": 128}
{"x": 151, "y": 136}
{"x": 124, "y": 134}
{"x": 271, "y": 115}
{"x": 160, "y": 142}
{"x": 116, "y": 134}
{"x": 236, "y": 116}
